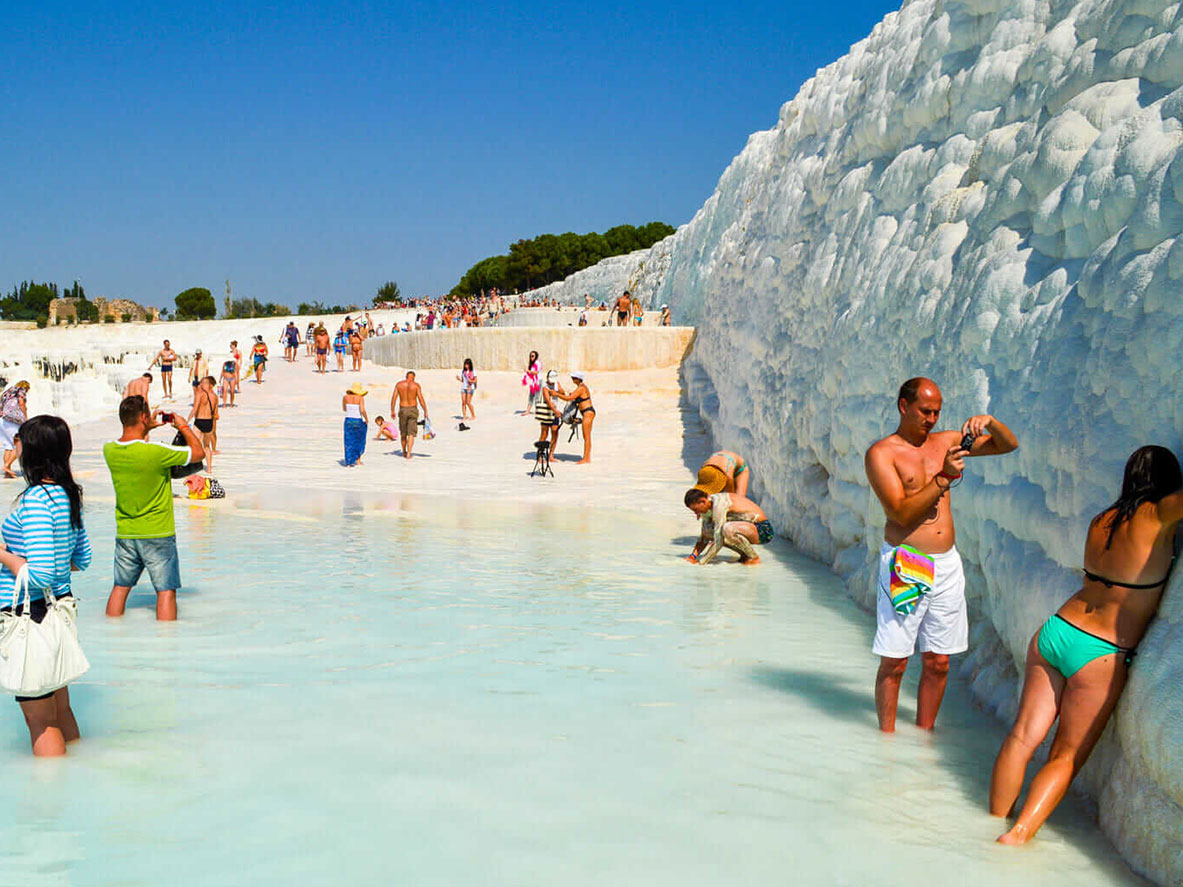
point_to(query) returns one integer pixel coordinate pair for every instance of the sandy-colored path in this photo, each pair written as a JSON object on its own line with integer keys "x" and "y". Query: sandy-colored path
{"x": 287, "y": 433}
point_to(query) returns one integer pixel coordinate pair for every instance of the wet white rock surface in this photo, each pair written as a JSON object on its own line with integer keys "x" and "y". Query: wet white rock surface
{"x": 990, "y": 193}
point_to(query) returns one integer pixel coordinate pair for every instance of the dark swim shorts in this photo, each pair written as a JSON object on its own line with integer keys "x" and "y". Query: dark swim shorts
{"x": 764, "y": 528}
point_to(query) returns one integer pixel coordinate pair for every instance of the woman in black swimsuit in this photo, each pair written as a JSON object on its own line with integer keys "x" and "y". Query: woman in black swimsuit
{"x": 581, "y": 397}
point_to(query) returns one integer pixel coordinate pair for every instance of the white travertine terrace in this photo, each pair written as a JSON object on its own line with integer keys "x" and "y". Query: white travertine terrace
{"x": 989, "y": 192}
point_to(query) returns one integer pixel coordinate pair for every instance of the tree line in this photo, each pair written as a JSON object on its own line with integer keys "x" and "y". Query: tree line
{"x": 30, "y": 301}
{"x": 552, "y": 257}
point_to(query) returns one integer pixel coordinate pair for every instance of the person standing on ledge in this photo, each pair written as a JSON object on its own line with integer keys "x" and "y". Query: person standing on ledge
{"x": 145, "y": 531}
{"x": 623, "y": 309}
{"x": 921, "y": 589}
{"x": 404, "y": 403}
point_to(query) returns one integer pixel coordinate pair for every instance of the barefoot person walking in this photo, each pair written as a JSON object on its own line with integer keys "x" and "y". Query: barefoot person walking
{"x": 404, "y": 403}
{"x": 1078, "y": 662}
{"x": 921, "y": 593}
{"x": 13, "y": 412}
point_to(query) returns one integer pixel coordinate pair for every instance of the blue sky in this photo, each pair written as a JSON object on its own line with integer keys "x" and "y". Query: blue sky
{"x": 313, "y": 150}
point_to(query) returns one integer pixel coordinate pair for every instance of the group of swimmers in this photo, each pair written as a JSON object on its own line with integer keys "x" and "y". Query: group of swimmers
{"x": 1077, "y": 662}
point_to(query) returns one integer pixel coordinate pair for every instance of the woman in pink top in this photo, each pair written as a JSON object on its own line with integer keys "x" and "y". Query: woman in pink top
{"x": 533, "y": 381}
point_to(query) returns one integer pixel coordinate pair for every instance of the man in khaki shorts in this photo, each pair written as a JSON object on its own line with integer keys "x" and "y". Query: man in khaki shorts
{"x": 405, "y": 404}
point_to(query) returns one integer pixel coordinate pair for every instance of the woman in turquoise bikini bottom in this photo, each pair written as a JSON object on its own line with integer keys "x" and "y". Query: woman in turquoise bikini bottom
{"x": 1078, "y": 661}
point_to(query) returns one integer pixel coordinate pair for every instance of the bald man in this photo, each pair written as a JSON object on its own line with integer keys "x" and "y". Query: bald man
{"x": 921, "y": 591}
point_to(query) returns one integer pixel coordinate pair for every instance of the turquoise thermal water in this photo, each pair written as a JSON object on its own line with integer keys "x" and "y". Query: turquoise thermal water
{"x": 384, "y": 691}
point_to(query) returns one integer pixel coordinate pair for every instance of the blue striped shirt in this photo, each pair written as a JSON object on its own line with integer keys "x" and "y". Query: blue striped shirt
{"x": 39, "y": 530}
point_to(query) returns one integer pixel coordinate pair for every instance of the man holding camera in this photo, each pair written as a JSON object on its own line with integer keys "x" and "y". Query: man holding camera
{"x": 145, "y": 532}
{"x": 921, "y": 588}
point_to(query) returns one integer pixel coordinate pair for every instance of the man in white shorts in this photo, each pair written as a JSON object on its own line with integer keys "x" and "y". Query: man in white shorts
{"x": 911, "y": 471}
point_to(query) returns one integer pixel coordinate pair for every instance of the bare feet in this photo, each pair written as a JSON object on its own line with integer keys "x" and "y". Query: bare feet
{"x": 583, "y": 462}
{"x": 750, "y": 562}
{"x": 1016, "y": 835}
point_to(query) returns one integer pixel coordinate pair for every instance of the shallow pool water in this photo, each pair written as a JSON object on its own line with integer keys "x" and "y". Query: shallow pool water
{"x": 369, "y": 690}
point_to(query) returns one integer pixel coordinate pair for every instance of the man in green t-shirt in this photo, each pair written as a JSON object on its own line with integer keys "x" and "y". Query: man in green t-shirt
{"x": 145, "y": 535}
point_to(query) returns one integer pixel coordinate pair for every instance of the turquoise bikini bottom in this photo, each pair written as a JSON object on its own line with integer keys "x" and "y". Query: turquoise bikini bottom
{"x": 1068, "y": 649}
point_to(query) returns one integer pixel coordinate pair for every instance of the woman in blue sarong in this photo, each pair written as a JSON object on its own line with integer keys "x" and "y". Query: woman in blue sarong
{"x": 356, "y": 421}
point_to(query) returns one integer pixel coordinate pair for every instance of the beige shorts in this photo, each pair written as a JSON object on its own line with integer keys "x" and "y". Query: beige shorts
{"x": 408, "y": 421}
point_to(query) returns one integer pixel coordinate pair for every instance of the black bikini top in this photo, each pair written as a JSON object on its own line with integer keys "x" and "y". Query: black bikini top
{"x": 1109, "y": 583}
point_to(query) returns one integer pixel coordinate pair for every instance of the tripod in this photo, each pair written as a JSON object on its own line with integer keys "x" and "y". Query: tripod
{"x": 542, "y": 459}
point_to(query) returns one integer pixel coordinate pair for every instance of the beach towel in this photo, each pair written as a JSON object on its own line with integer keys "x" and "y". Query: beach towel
{"x": 912, "y": 574}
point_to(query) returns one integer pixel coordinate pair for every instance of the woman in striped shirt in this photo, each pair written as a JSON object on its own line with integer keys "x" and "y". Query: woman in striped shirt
{"x": 45, "y": 532}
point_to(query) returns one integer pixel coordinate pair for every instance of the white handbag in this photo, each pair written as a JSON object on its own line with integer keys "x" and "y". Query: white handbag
{"x": 39, "y": 657}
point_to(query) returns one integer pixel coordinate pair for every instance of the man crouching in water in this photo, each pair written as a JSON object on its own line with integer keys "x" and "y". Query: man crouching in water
{"x": 921, "y": 591}
{"x": 728, "y": 521}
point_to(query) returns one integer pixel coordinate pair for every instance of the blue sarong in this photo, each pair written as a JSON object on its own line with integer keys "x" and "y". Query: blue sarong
{"x": 355, "y": 439}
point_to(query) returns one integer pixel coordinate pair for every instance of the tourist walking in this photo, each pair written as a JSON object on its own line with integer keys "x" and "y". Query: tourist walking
{"x": 44, "y": 534}
{"x": 145, "y": 530}
{"x": 467, "y": 379}
{"x": 533, "y": 382}
{"x": 581, "y": 397}
{"x": 229, "y": 371}
{"x": 204, "y": 416}
{"x": 339, "y": 344}
{"x": 166, "y": 357}
{"x": 405, "y": 403}
{"x": 1078, "y": 662}
{"x": 921, "y": 592}
{"x": 355, "y": 346}
{"x": 322, "y": 345}
{"x": 309, "y": 334}
{"x": 354, "y": 406}
{"x": 198, "y": 370}
{"x": 14, "y": 409}
{"x": 141, "y": 385}
{"x": 259, "y": 359}
{"x": 237, "y": 355}
{"x": 291, "y": 342}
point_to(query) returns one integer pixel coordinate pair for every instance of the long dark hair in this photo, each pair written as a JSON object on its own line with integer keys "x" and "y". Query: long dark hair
{"x": 45, "y": 458}
{"x": 530, "y": 361}
{"x": 468, "y": 365}
{"x": 1150, "y": 473}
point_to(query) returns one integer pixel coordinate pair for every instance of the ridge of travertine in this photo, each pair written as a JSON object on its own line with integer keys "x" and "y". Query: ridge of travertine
{"x": 989, "y": 192}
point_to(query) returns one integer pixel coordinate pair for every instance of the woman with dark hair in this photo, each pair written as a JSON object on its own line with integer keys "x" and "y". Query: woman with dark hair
{"x": 44, "y": 531}
{"x": 533, "y": 381}
{"x": 1078, "y": 661}
{"x": 467, "y": 379}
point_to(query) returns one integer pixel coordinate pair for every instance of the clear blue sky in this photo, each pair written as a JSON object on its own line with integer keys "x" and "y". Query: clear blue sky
{"x": 313, "y": 150}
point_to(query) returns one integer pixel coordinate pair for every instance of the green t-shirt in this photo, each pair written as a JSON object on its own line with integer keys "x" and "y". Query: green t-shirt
{"x": 143, "y": 486}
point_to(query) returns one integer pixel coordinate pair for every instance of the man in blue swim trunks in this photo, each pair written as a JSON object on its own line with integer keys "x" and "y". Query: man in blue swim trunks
{"x": 912, "y": 471}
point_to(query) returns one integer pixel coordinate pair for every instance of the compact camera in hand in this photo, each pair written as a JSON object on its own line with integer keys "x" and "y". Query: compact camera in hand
{"x": 967, "y": 440}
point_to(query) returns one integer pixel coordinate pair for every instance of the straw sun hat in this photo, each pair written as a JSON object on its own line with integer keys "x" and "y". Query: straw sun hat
{"x": 358, "y": 389}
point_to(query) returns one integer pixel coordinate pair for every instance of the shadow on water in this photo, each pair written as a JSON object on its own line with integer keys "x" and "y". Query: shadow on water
{"x": 821, "y": 691}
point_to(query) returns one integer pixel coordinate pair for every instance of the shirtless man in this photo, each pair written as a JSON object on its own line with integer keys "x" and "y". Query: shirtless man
{"x": 728, "y": 521}
{"x": 321, "y": 337}
{"x": 203, "y": 415}
{"x": 405, "y": 404}
{"x": 724, "y": 472}
{"x": 197, "y": 371}
{"x": 140, "y": 385}
{"x": 912, "y": 471}
{"x": 166, "y": 357}
{"x": 623, "y": 309}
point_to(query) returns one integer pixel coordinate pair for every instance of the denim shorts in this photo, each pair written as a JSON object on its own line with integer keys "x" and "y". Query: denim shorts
{"x": 158, "y": 556}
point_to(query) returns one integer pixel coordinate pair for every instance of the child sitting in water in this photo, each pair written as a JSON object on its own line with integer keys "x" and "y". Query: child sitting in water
{"x": 385, "y": 430}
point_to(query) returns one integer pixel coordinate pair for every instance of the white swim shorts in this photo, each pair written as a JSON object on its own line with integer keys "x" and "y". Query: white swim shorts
{"x": 939, "y": 622}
